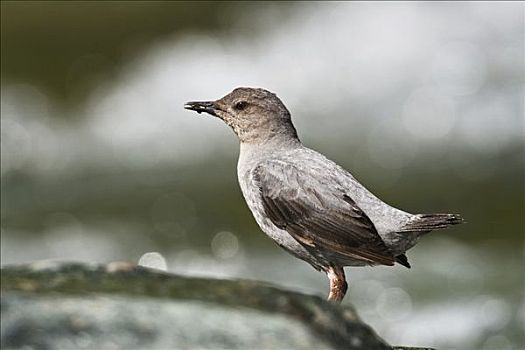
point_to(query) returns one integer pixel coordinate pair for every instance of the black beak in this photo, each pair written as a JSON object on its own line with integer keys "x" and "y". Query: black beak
{"x": 199, "y": 107}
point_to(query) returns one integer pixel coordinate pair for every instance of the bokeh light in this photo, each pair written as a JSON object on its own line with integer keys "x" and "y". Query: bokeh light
{"x": 153, "y": 260}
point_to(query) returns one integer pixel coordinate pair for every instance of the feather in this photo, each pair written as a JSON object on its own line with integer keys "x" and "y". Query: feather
{"x": 323, "y": 218}
{"x": 429, "y": 222}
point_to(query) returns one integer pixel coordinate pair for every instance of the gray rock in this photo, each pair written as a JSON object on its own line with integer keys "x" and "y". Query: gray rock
{"x": 120, "y": 306}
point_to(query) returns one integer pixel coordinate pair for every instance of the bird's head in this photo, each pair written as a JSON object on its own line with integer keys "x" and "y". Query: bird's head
{"x": 255, "y": 115}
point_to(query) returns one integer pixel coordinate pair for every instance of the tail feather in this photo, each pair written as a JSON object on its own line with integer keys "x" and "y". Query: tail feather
{"x": 429, "y": 222}
{"x": 403, "y": 260}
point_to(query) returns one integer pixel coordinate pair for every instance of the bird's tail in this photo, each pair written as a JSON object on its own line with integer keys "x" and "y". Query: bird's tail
{"x": 430, "y": 222}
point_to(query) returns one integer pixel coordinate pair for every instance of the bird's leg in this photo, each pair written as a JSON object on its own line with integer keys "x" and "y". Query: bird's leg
{"x": 338, "y": 285}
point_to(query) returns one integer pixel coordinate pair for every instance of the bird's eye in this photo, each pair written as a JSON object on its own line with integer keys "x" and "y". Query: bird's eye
{"x": 240, "y": 105}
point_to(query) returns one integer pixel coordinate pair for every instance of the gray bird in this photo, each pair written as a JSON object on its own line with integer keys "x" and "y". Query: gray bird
{"x": 306, "y": 203}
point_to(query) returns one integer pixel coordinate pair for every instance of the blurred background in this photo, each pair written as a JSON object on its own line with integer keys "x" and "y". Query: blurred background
{"x": 422, "y": 102}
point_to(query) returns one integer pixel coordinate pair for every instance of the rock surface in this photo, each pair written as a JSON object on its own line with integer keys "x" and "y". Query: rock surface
{"x": 49, "y": 305}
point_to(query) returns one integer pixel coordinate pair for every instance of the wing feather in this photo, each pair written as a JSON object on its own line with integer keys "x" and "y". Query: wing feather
{"x": 319, "y": 215}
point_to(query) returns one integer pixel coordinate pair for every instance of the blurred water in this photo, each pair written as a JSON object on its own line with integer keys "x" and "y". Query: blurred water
{"x": 423, "y": 100}
{"x": 423, "y": 77}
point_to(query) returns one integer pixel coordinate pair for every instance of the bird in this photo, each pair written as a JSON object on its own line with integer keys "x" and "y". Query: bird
{"x": 305, "y": 202}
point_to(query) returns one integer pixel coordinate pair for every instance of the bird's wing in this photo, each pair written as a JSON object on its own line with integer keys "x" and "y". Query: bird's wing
{"x": 318, "y": 214}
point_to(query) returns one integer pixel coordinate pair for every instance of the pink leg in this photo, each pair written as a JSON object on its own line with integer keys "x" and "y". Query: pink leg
{"x": 338, "y": 285}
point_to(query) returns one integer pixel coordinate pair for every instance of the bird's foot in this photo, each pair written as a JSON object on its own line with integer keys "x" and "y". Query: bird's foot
{"x": 338, "y": 285}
